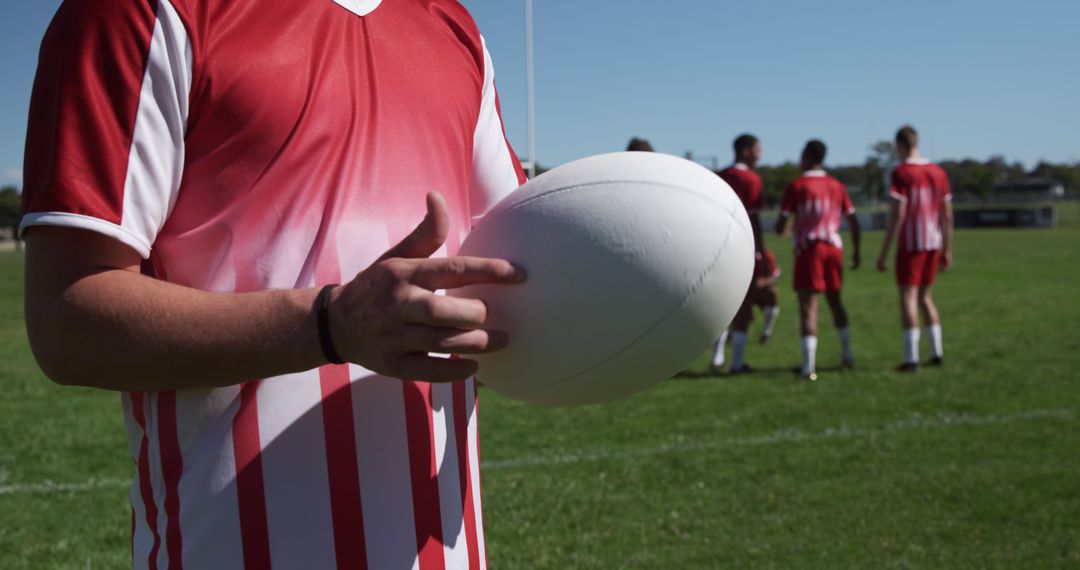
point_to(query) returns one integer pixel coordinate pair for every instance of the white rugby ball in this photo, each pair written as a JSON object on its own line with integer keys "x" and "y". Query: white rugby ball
{"x": 635, "y": 263}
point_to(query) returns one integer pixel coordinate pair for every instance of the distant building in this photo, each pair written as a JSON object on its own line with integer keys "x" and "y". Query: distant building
{"x": 1029, "y": 190}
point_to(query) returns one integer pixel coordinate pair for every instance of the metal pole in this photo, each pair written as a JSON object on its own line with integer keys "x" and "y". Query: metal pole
{"x": 529, "y": 87}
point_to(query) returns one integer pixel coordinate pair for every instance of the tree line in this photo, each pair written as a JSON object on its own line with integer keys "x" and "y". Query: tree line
{"x": 970, "y": 179}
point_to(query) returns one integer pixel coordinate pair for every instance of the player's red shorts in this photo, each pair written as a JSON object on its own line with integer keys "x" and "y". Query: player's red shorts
{"x": 819, "y": 267}
{"x": 917, "y": 268}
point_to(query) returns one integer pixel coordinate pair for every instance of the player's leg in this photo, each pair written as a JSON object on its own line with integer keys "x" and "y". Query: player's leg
{"x": 809, "y": 279}
{"x": 770, "y": 310}
{"x": 909, "y": 322}
{"x": 808, "y": 310}
{"x": 718, "y": 351}
{"x": 834, "y": 269}
{"x": 840, "y": 320}
{"x": 931, "y": 319}
{"x": 908, "y": 275}
{"x": 739, "y": 327}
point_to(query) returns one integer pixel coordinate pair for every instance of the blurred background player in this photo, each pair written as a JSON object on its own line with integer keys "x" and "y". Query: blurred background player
{"x": 747, "y": 186}
{"x": 922, "y": 210}
{"x": 818, "y": 201}
{"x": 766, "y": 278}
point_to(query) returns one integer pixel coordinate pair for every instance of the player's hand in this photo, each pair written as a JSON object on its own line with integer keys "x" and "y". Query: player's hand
{"x": 946, "y": 261}
{"x": 388, "y": 318}
{"x": 881, "y": 266}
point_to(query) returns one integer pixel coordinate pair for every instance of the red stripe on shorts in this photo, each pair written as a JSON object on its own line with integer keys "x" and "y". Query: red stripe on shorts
{"x": 250, "y": 489}
{"x": 461, "y": 435}
{"x": 342, "y": 468}
{"x": 172, "y": 465}
{"x": 424, "y": 473}
{"x": 146, "y": 488}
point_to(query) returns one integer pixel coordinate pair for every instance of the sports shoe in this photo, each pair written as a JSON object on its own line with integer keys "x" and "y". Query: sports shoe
{"x": 848, "y": 363}
{"x": 936, "y": 361}
{"x": 811, "y": 377}
{"x": 746, "y": 369}
{"x": 765, "y": 338}
{"x": 908, "y": 367}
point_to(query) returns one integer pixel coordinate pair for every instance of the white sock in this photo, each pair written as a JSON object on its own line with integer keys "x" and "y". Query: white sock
{"x": 845, "y": 343}
{"x": 718, "y": 350}
{"x": 738, "y": 349}
{"x": 771, "y": 312}
{"x": 911, "y": 345}
{"x": 809, "y": 354}
{"x": 934, "y": 332}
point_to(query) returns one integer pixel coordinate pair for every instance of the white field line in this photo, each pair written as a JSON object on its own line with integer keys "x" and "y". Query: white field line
{"x": 843, "y": 431}
{"x": 914, "y": 422}
{"x": 48, "y": 486}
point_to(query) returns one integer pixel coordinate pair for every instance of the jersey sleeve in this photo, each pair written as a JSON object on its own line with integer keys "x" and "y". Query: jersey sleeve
{"x": 105, "y": 136}
{"x": 898, "y": 190}
{"x": 496, "y": 170}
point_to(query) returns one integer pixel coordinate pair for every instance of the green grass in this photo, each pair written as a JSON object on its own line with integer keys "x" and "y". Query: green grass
{"x": 972, "y": 466}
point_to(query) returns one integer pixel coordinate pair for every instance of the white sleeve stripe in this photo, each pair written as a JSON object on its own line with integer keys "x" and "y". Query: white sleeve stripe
{"x": 493, "y": 173}
{"x": 156, "y": 159}
{"x": 93, "y": 224}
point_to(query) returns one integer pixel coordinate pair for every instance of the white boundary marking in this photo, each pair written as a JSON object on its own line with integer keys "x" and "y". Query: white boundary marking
{"x": 48, "y": 486}
{"x": 913, "y": 422}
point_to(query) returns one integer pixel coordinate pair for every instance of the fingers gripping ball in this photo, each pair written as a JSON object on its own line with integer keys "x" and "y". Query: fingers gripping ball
{"x": 635, "y": 263}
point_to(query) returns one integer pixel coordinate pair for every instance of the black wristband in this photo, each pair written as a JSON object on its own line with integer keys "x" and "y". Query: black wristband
{"x": 322, "y": 315}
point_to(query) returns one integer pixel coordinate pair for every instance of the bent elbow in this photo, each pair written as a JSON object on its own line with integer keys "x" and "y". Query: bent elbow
{"x": 55, "y": 353}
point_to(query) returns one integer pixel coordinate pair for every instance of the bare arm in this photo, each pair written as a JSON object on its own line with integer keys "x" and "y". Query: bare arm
{"x": 759, "y": 241}
{"x": 856, "y": 240}
{"x": 946, "y": 235}
{"x": 94, "y": 320}
{"x": 897, "y": 210}
{"x": 781, "y": 223}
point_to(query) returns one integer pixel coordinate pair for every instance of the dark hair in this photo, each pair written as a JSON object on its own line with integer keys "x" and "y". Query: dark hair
{"x": 814, "y": 151}
{"x": 907, "y": 136}
{"x": 745, "y": 141}
{"x": 639, "y": 144}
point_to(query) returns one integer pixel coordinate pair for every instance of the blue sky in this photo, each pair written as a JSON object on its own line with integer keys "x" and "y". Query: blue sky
{"x": 977, "y": 78}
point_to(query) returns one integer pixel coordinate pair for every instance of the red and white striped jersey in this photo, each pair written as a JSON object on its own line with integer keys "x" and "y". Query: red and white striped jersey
{"x": 924, "y": 188}
{"x": 818, "y": 201}
{"x": 243, "y": 146}
{"x": 747, "y": 185}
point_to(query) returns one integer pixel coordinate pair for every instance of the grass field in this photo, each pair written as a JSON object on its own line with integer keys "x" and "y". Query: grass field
{"x": 976, "y": 465}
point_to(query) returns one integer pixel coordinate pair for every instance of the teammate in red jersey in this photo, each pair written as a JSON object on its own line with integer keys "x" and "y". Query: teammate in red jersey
{"x": 200, "y": 176}
{"x": 747, "y": 186}
{"x": 818, "y": 202}
{"x": 922, "y": 211}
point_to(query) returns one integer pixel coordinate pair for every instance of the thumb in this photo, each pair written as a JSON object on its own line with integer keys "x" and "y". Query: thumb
{"x": 429, "y": 235}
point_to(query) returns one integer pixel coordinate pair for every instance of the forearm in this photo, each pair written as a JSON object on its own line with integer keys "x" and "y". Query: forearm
{"x": 755, "y": 226}
{"x": 119, "y": 330}
{"x": 891, "y": 226}
{"x": 781, "y": 224}
{"x": 947, "y": 228}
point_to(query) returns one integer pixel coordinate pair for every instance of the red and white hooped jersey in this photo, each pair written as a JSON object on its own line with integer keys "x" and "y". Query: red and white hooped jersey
{"x": 244, "y": 146}
{"x": 924, "y": 188}
{"x": 747, "y": 185}
{"x": 818, "y": 201}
